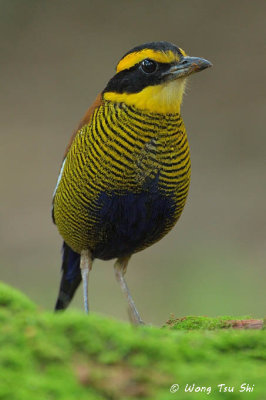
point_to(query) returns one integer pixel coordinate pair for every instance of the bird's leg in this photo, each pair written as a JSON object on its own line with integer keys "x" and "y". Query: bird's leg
{"x": 85, "y": 267}
{"x": 120, "y": 270}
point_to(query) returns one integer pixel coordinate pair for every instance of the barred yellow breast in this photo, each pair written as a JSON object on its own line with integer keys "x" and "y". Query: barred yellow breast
{"x": 126, "y": 171}
{"x": 124, "y": 181}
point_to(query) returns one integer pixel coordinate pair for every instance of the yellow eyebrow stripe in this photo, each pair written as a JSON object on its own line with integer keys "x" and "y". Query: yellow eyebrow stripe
{"x": 134, "y": 58}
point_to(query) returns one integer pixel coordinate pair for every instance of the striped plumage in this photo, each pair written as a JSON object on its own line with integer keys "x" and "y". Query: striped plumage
{"x": 122, "y": 151}
{"x": 126, "y": 172}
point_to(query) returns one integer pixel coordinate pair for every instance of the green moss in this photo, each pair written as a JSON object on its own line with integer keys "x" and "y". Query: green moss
{"x": 69, "y": 355}
{"x": 14, "y": 300}
{"x": 191, "y": 323}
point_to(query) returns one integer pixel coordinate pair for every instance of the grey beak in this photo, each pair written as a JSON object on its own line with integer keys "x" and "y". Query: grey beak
{"x": 187, "y": 66}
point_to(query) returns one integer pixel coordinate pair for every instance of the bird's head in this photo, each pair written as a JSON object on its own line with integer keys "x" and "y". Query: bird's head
{"x": 152, "y": 77}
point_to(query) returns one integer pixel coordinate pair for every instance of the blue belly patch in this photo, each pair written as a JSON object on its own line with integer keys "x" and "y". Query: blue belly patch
{"x": 130, "y": 221}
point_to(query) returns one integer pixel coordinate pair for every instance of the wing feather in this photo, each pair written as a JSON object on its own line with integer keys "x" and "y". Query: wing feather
{"x": 85, "y": 121}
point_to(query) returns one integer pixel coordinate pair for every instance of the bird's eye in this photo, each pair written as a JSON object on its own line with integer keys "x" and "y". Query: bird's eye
{"x": 148, "y": 66}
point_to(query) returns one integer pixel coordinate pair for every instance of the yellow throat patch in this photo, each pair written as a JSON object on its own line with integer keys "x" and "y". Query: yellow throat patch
{"x": 165, "y": 98}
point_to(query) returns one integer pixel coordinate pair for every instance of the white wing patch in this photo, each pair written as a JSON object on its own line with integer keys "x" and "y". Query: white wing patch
{"x": 59, "y": 177}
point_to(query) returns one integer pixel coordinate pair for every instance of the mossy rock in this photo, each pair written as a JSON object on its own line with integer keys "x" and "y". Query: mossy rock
{"x": 65, "y": 356}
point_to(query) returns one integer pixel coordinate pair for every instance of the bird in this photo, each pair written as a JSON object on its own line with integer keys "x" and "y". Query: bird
{"x": 125, "y": 174}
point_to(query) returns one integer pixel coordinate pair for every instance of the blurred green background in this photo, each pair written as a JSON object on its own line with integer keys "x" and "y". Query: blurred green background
{"x": 55, "y": 57}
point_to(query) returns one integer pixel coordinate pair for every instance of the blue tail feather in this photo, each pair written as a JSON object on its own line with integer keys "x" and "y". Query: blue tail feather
{"x": 71, "y": 277}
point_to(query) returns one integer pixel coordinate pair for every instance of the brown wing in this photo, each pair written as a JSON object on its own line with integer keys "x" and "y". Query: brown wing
{"x": 85, "y": 120}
